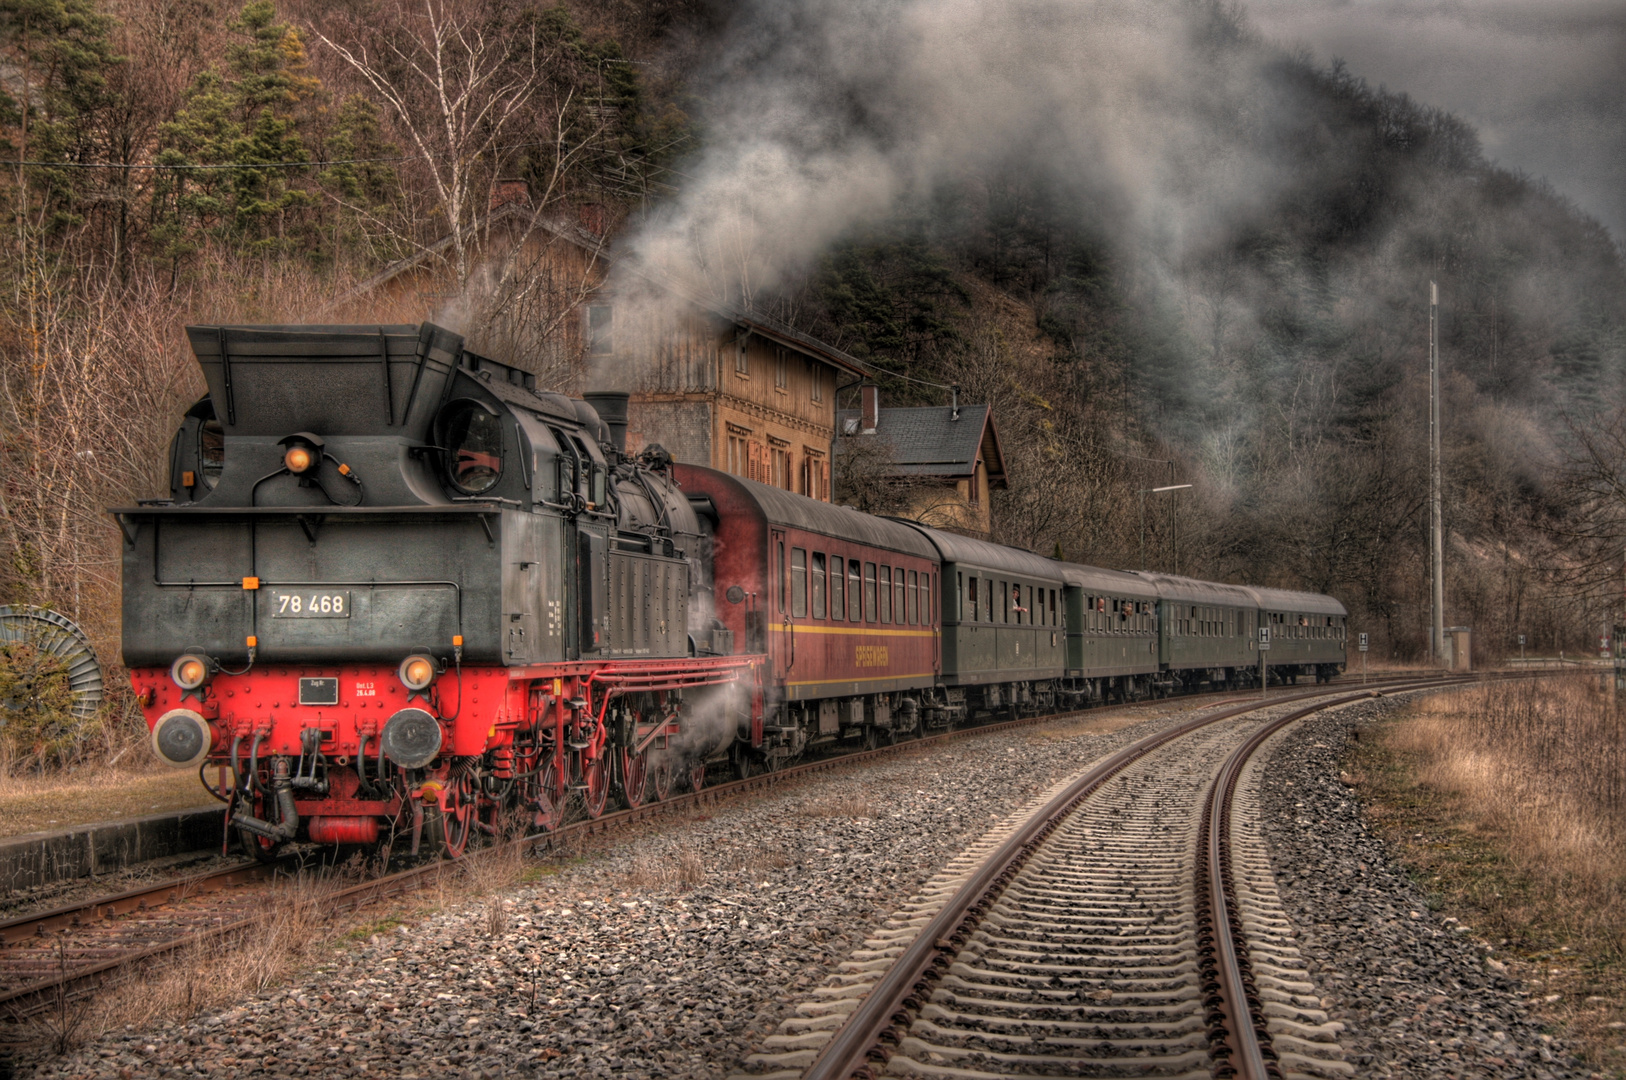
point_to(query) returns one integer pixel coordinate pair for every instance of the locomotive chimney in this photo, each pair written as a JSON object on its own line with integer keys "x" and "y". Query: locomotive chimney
{"x": 869, "y": 408}
{"x": 611, "y": 407}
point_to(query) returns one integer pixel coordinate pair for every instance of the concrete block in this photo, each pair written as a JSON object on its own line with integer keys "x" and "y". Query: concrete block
{"x": 44, "y": 858}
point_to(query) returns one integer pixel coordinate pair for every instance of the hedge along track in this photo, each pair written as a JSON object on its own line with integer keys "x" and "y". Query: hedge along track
{"x": 69, "y": 951}
{"x": 1129, "y": 927}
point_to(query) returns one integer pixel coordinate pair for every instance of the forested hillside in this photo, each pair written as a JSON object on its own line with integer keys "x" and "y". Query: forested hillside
{"x": 1164, "y": 250}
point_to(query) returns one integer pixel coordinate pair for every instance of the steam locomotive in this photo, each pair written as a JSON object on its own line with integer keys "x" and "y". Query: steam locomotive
{"x": 398, "y": 596}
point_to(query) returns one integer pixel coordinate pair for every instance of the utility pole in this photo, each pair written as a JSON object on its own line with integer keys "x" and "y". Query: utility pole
{"x": 1437, "y": 642}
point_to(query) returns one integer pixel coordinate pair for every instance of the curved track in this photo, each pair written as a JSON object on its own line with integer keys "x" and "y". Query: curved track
{"x": 72, "y": 949}
{"x": 1129, "y": 927}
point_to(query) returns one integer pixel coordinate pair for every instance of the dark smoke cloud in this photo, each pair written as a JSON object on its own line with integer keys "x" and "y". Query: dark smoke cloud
{"x": 1543, "y": 81}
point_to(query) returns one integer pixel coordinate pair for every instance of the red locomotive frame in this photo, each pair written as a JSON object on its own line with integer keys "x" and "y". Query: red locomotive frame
{"x": 545, "y": 728}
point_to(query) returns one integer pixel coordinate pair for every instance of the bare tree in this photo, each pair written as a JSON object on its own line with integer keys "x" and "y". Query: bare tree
{"x": 461, "y": 82}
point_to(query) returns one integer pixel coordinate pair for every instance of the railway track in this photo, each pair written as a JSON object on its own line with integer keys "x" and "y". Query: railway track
{"x": 48, "y": 957}
{"x": 1129, "y": 927}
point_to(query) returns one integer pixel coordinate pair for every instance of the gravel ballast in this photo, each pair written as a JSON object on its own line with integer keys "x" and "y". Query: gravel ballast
{"x": 670, "y": 955}
{"x": 1420, "y": 996}
{"x": 676, "y": 953}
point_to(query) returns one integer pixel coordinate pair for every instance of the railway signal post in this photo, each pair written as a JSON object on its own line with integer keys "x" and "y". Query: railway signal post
{"x": 1362, "y": 647}
{"x": 1264, "y": 647}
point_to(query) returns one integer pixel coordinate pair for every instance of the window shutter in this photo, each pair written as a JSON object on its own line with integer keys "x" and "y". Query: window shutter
{"x": 754, "y": 465}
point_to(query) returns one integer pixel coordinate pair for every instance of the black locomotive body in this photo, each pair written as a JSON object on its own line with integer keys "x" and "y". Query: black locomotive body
{"x": 392, "y": 575}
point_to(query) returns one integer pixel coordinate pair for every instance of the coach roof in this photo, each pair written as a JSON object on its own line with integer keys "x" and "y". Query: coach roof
{"x": 782, "y": 507}
{"x": 1098, "y": 581}
{"x": 979, "y": 553}
{"x": 1302, "y": 603}
{"x": 1186, "y": 590}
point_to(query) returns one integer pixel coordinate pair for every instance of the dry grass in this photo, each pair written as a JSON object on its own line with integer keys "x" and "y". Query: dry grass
{"x": 299, "y": 928}
{"x": 841, "y": 804}
{"x": 1508, "y": 802}
{"x": 61, "y": 800}
{"x": 678, "y": 869}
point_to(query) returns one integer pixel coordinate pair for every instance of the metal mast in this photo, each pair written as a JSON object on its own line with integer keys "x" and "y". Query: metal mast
{"x": 1437, "y": 543}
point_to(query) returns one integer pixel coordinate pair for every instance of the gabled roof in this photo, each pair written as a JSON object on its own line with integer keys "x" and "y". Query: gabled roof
{"x": 599, "y": 248}
{"x": 929, "y": 441}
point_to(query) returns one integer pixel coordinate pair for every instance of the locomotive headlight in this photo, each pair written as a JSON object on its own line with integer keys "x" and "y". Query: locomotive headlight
{"x": 299, "y": 459}
{"x": 302, "y": 452}
{"x": 417, "y": 672}
{"x": 411, "y": 738}
{"x": 182, "y": 738}
{"x": 190, "y": 671}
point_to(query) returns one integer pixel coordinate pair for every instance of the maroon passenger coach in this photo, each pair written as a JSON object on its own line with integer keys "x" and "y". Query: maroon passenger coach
{"x": 845, "y": 606}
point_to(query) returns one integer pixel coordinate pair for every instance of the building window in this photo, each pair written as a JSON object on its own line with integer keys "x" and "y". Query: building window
{"x": 780, "y": 464}
{"x": 781, "y": 369}
{"x": 813, "y": 474}
{"x": 742, "y": 362}
{"x": 739, "y": 451}
{"x": 975, "y": 495}
{"x": 818, "y": 385}
{"x": 598, "y": 330}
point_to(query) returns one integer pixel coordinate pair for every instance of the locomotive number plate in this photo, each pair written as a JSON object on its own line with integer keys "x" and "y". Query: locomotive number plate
{"x": 310, "y": 605}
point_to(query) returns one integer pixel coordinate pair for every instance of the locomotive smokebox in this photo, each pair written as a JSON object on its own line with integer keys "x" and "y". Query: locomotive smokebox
{"x": 611, "y": 407}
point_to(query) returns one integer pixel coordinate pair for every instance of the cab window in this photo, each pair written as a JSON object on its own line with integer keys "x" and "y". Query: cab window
{"x": 473, "y": 442}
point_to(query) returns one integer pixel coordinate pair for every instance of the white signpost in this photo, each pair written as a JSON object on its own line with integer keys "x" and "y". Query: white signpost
{"x": 1362, "y": 647}
{"x": 1264, "y": 647}
{"x": 1521, "y": 650}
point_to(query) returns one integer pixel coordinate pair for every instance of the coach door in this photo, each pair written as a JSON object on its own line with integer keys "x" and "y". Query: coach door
{"x": 782, "y": 640}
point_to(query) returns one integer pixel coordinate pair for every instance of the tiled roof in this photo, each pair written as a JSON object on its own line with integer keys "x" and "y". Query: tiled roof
{"x": 929, "y": 441}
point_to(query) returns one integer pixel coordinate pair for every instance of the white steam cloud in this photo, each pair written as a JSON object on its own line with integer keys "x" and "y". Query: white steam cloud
{"x": 823, "y": 115}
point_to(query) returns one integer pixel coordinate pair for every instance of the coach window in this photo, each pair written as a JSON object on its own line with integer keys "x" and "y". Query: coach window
{"x": 838, "y": 589}
{"x": 798, "y": 583}
{"x": 988, "y": 599}
{"x": 900, "y": 604}
{"x": 926, "y": 598}
{"x": 818, "y": 584}
{"x": 855, "y": 592}
{"x": 914, "y": 598}
{"x": 971, "y": 596}
{"x": 869, "y": 592}
{"x": 884, "y": 593}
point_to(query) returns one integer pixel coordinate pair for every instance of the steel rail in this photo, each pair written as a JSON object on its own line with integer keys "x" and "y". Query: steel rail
{"x": 883, "y": 1015}
{"x": 1246, "y": 1040}
{"x": 24, "y": 1000}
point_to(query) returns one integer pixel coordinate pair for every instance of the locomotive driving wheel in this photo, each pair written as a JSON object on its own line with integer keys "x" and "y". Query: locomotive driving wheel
{"x": 634, "y": 777}
{"x": 697, "y": 776}
{"x": 658, "y": 786}
{"x": 545, "y": 795}
{"x": 596, "y": 785}
{"x": 459, "y": 802}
